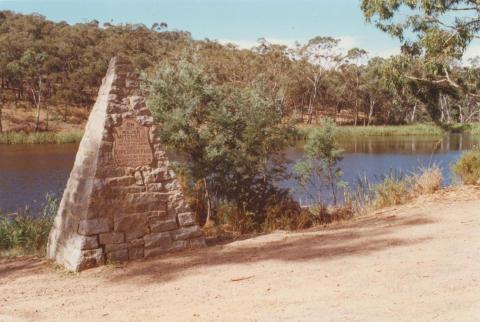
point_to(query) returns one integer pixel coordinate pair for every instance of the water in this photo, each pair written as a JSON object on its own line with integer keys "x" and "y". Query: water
{"x": 28, "y": 172}
{"x": 374, "y": 157}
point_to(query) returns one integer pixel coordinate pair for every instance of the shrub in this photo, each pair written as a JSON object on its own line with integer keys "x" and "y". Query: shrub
{"x": 396, "y": 189}
{"x": 428, "y": 180}
{"x": 318, "y": 171}
{"x": 391, "y": 191}
{"x": 326, "y": 215}
{"x": 25, "y": 233}
{"x": 231, "y": 138}
{"x": 286, "y": 214}
{"x": 236, "y": 221}
{"x": 468, "y": 167}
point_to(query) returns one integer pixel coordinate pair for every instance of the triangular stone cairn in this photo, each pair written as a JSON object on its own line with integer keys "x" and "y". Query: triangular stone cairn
{"x": 121, "y": 202}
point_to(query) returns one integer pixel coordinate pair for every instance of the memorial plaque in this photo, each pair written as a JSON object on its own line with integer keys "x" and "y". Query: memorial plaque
{"x": 131, "y": 146}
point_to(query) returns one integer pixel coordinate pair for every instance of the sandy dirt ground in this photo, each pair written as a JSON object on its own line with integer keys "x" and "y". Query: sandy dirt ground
{"x": 418, "y": 262}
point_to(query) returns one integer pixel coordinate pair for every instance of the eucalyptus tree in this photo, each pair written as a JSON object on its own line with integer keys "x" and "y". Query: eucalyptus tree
{"x": 319, "y": 56}
{"x": 231, "y": 137}
{"x": 437, "y": 34}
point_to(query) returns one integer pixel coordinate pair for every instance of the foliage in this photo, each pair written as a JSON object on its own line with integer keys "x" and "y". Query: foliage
{"x": 468, "y": 167}
{"x": 428, "y": 66}
{"x": 443, "y": 28}
{"x": 318, "y": 171}
{"x": 24, "y": 233}
{"x": 231, "y": 139}
{"x": 45, "y": 63}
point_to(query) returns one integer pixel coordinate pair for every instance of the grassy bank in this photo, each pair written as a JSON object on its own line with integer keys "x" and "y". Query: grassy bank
{"x": 40, "y": 138}
{"x": 25, "y": 233}
{"x": 423, "y": 129}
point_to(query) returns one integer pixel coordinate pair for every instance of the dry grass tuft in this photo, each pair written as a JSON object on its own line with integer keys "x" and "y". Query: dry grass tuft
{"x": 428, "y": 180}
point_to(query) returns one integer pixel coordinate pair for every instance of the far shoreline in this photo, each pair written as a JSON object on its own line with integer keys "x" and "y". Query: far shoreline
{"x": 419, "y": 129}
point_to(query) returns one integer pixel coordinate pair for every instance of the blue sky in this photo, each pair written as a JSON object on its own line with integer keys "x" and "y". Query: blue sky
{"x": 238, "y": 21}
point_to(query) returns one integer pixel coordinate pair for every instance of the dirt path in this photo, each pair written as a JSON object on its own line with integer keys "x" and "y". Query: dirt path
{"x": 419, "y": 262}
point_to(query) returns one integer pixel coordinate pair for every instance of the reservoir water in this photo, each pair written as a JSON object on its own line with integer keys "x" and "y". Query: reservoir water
{"x": 28, "y": 172}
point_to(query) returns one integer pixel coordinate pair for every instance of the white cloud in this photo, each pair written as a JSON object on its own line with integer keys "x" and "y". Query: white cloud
{"x": 472, "y": 51}
{"x": 248, "y": 44}
{"x": 385, "y": 53}
{"x": 348, "y": 42}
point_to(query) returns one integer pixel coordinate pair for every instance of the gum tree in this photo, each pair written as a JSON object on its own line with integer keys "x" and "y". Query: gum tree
{"x": 436, "y": 33}
{"x": 231, "y": 138}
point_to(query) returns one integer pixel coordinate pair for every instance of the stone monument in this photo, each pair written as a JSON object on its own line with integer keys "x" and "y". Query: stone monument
{"x": 121, "y": 202}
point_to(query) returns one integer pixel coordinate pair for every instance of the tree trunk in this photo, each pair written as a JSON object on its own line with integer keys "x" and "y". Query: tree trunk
{"x": 356, "y": 115}
{"x": 412, "y": 118}
{"x": 1, "y": 125}
{"x": 208, "y": 221}
{"x": 37, "y": 99}
{"x": 332, "y": 186}
{"x": 48, "y": 116}
{"x": 65, "y": 113}
{"x": 370, "y": 113}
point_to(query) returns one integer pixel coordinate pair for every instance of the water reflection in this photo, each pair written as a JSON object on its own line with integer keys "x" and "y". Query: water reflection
{"x": 409, "y": 144}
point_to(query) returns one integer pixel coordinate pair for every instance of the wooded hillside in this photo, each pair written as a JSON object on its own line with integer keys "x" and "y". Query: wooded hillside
{"x": 57, "y": 65}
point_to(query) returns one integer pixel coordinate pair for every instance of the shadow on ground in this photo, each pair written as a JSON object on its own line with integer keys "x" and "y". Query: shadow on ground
{"x": 357, "y": 238}
{"x": 353, "y": 239}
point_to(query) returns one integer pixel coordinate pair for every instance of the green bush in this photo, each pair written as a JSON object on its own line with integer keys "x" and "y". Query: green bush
{"x": 231, "y": 139}
{"x": 24, "y": 233}
{"x": 318, "y": 172}
{"x": 468, "y": 167}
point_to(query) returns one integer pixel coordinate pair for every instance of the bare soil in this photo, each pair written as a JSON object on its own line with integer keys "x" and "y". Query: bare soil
{"x": 418, "y": 262}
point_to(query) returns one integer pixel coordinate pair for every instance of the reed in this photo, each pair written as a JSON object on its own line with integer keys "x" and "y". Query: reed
{"x": 40, "y": 137}
{"x": 23, "y": 233}
{"x": 420, "y": 129}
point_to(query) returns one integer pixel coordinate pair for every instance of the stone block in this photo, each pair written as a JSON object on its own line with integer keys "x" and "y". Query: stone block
{"x": 155, "y": 251}
{"x": 111, "y": 238}
{"x": 178, "y": 245}
{"x": 186, "y": 219}
{"x": 155, "y": 187}
{"x": 158, "y": 224}
{"x": 151, "y": 252}
{"x": 91, "y": 258}
{"x": 163, "y": 240}
{"x": 94, "y": 226}
{"x": 186, "y": 233}
{"x": 120, "y": 181}
{"x": 133, "y": 225}
{"x": 120, "y": 255}
{"x": 82, "y": 242}
{"x": 135, "y": 253}
{"x": 114, "y": 247}
{"x": 147, "y": 198}
{"x": 197, "y": 243}
{"x": 139, "y": 242}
